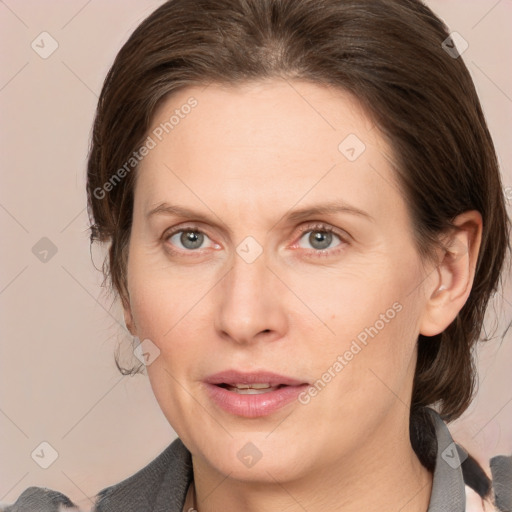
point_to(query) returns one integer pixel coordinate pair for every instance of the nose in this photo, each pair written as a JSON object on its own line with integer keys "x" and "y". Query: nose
{"x": 250, "y": 303}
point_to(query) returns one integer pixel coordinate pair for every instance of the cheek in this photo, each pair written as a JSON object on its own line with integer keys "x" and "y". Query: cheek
{"x": 171, "y": 308}
{"x": 373, "y": 323}
{"x": 163, "y": 297}
{"x": 166, "y": 315}
{"x": 372, "y": 297}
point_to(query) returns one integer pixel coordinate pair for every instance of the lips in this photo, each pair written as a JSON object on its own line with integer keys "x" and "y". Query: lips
{"x": 233, "y": 377}
{"x": 252, "y": 394}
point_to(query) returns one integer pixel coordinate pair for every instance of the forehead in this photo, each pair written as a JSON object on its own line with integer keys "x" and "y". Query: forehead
{"x": 304, "y": 117}
{"x": 262, "y": 143}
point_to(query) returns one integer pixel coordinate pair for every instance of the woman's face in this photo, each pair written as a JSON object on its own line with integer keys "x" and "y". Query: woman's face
{"x": 270, "y": 237}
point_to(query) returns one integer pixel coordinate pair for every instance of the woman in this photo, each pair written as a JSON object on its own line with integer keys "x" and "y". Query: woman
{"x": 306, "y": 222}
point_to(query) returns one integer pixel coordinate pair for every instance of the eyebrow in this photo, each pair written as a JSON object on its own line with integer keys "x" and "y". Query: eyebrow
{"x": 330, "y": 208}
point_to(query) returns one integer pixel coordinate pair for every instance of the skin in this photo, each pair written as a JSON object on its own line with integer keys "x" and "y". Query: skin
{"x": 243, "y": 159}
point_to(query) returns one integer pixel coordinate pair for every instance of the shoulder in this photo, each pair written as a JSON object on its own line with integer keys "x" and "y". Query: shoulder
{"x": 41, "y": 499}
{"x": 164, "y": 480}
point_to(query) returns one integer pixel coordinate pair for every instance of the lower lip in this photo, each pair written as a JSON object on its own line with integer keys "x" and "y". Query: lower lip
{"x": 253, "y": 406}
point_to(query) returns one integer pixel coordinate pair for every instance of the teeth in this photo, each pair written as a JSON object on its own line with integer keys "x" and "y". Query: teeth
{"x": 251, "y": 389}
{"x": 253, "y": 386}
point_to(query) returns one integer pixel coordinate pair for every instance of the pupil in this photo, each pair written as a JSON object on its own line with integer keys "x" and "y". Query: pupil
{"x": 320, "y": 239}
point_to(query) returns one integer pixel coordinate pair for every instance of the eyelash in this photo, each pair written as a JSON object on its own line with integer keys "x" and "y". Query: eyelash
{"x": 318, "y": 227}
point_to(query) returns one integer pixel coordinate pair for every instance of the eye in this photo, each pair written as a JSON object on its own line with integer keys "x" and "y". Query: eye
{"x": 320, "y": 237}
{"x": 190, "y": 238}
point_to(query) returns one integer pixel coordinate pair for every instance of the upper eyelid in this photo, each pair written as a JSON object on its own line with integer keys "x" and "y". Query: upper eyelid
{"x": 322, "y": 226}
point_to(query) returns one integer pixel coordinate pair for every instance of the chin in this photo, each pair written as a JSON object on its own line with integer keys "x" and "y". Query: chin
{"x": 252, "y": 458}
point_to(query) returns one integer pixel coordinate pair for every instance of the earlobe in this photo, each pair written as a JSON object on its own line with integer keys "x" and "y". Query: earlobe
{"x": 449, "y": 290}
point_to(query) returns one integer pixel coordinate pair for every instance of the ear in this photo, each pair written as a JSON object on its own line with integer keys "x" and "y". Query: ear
{"x": 449, "y": 288}
{"x": 128, "y": 317}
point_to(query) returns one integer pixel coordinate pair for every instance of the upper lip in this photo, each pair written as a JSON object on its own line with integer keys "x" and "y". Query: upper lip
{"x": 232, "y": 377}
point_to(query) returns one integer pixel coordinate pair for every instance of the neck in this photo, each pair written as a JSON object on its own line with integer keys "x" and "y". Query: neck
{"x": 379, "y": 476}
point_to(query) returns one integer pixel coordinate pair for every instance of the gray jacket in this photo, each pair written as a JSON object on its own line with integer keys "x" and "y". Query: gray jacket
{"x": 161, "y": 486}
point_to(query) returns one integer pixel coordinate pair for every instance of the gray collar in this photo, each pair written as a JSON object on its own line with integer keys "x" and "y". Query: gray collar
{"x": 448, "y": 490}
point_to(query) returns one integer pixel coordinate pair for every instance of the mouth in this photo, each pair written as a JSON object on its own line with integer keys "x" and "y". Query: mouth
{"x": 254, "y": 394}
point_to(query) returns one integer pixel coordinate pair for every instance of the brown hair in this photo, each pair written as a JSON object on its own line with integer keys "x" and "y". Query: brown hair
{"x": 389, "y": 54}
